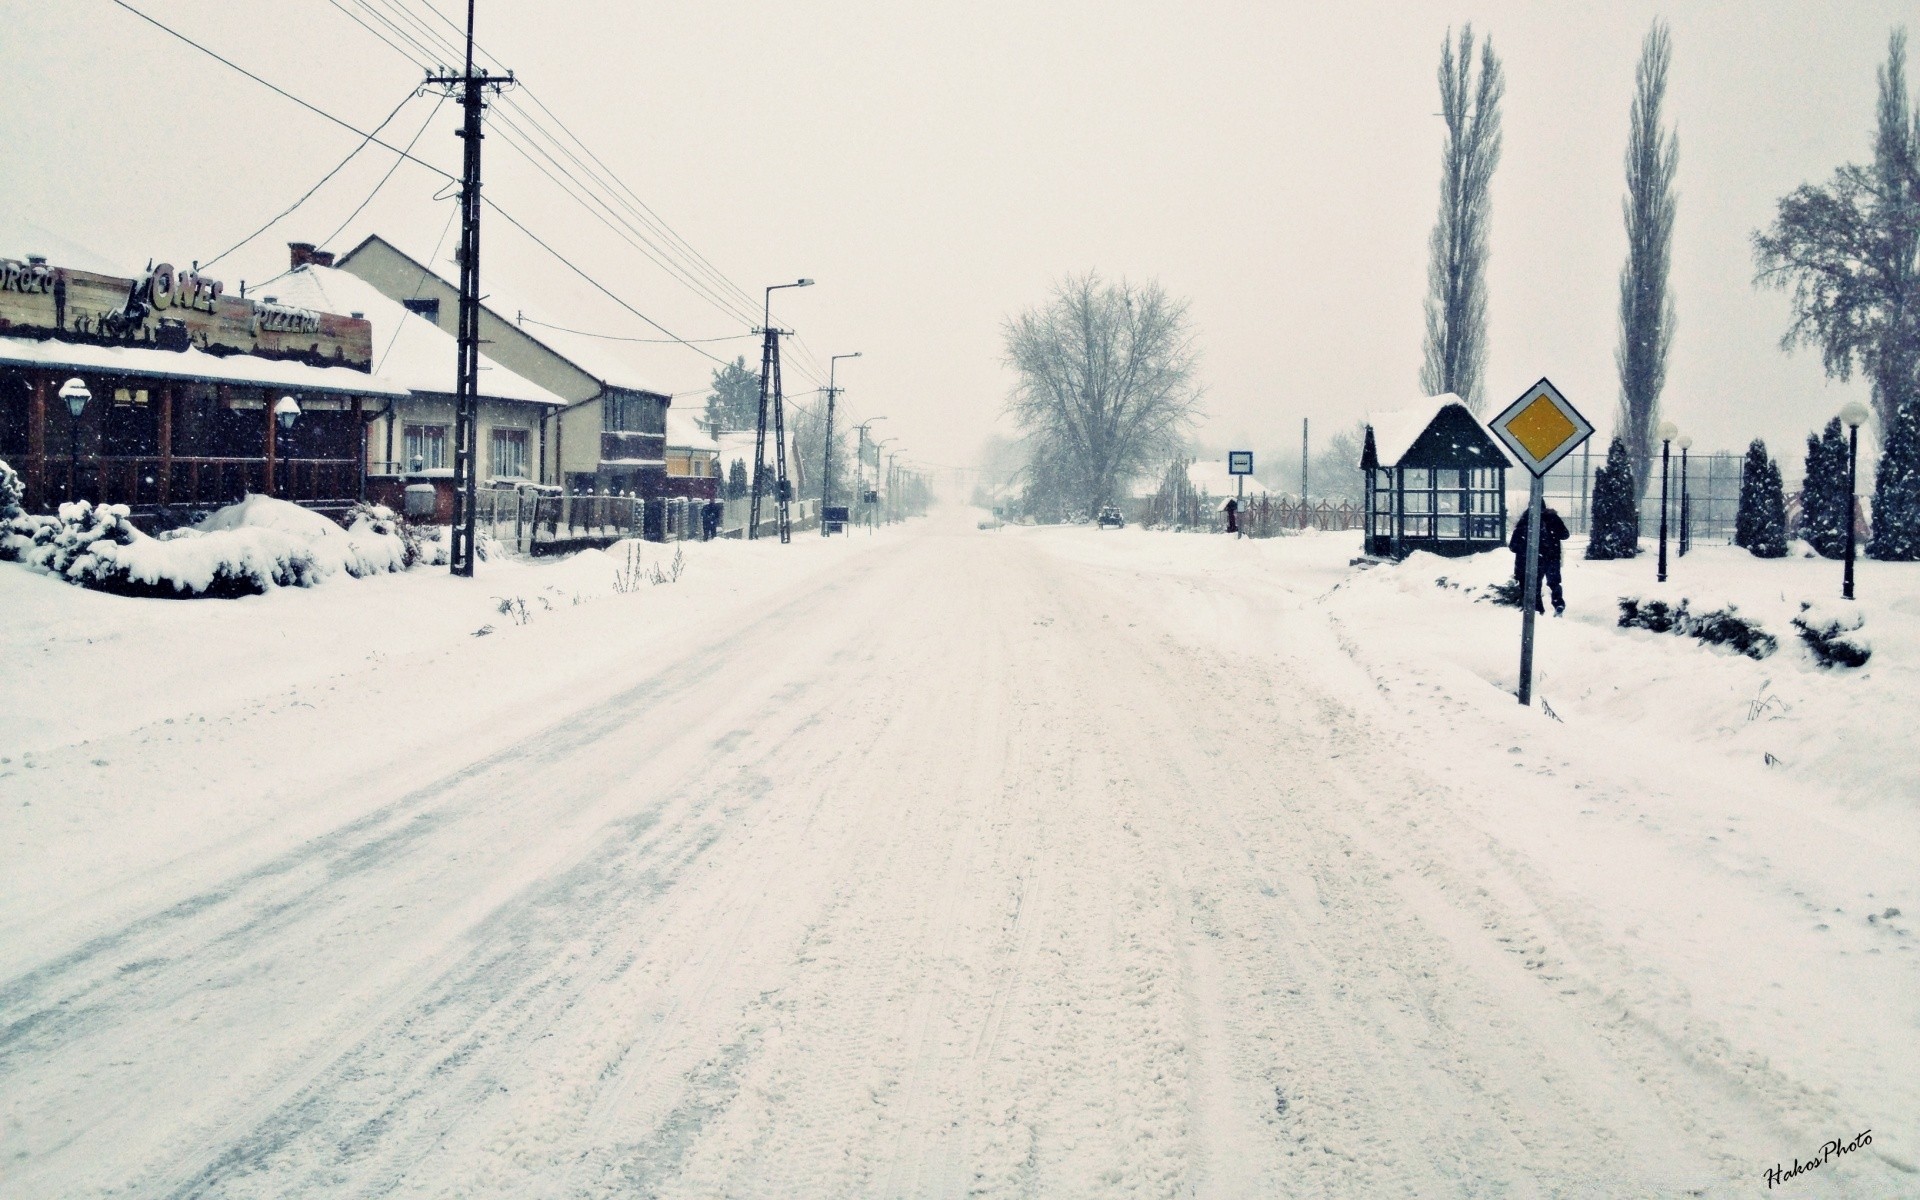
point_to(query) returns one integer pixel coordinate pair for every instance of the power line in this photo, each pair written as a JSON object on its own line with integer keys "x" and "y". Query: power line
{"x": 665, "y": 229}
{"x": 308, "y": 194}
{"x": 409, "y": 157}
{"x": 389, "y": 175}
{"x": 684, "y": 264}
{"x": 276, "y": 88}
{"x": 614, "y": 337}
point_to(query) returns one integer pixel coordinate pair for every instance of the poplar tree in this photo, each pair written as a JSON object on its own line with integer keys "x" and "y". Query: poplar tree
{"x": 1646, "y": 306}
{"x": 1456, "y": 343}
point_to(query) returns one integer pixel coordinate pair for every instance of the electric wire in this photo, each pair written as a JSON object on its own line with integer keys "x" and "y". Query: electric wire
{"x": 410, "y": 157}
{"x": 666, "y": 230}
{"x": 361, "y": 207}
{"x": 614, "y": 337}
{"x": 524, "y": 144}
{"x": 583, "y": 185}
{"x": 308, "y": 194}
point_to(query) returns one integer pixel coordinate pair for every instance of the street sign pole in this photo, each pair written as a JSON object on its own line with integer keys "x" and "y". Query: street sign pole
{"x": 1539, "y": 429}
{"x": 1530, "y": 592}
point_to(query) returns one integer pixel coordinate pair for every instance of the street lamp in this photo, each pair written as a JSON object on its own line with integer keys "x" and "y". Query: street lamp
{"x": 1684, "y": 441}
{"x": 1667, "y": 433}
{"x": 826, "y": 464}
{"x": 1853, "y": 416}
{"x": 766, "y": 317}
{"x": 74, "y": 392}
{"x": 286, "y": 410}
{"x": 769, "y": 374}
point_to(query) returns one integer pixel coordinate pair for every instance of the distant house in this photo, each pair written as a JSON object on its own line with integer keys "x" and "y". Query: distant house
{"x": 1435, "y": 481}
{"x": 693, "y": 457}
{"x": 411, "y": 439}
{"x": 611, "y": 436}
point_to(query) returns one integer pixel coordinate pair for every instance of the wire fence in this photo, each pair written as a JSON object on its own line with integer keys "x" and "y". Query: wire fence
{"x": 534, "y": 522}
{"x": 1702, "y": 489}
{"x": 1263, "y": 515}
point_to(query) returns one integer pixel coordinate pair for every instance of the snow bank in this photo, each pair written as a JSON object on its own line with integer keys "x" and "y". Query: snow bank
{"x": 370, "y": 545}
{"x": 242, "y": 550}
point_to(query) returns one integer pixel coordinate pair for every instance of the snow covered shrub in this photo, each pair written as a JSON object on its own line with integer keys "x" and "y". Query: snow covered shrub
{"x": 1760, "y": 523}
{"x": 98, "y": 547}
{"x": 1718, "y": 627}
{"x": 373, "y": 547}
{"x": 1616, "y": 516}
{"x": 11, "y": 492}
{"x": 1506, "y": 594}
{"x": 1833, "y": 635}
{"x": 1825, "y": 504}
{"x": 381, "y": 536}
{"x": 1896, "y": 489}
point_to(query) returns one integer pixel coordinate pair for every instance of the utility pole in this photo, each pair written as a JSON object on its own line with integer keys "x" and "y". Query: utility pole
{"x": 466, "y": 406}
{"x": 770, "y": 388}
{"x": 1303, "y": 463}
{"x": 826, "y": 463}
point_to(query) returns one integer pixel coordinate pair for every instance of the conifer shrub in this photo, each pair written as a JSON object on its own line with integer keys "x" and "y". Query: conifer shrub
{"x": 1896, "y": 490}
{"x": 1616, "y": 515}
{"x": 1826, "y": 504}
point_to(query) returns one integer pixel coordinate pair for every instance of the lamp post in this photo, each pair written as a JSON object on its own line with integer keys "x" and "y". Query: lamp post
{"x": 860, "y": 461}
{"x": 286, "y": 410}
{"x": 1853, "y": 416}
{"x": 74, "y": 391}
{"x": 1667, "y": 434}
{"x": 826, "y": 460}
{"x": 1685, "y": 442}
{"x": 893, "y": 504}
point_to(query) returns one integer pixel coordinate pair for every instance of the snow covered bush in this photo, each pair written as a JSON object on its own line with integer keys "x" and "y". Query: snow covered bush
{"x": 1760, "y": 523}
{"x": 1616, "y": 515}
{"x": 372, "y": 545}
{"x": 1833, "y": 635}
{"x": 11, "y": 492}
{"x": 98, "y": 547}
{"x": 1826, "y": 506}
{"x": 1896, "y": 489}
{"x": 1717, "y": 627}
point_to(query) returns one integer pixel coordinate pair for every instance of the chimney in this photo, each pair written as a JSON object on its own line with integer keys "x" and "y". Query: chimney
{"x": 299, "y": 254}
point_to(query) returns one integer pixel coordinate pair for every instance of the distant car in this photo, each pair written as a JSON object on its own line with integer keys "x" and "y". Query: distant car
{"x": 1110, "y": 518}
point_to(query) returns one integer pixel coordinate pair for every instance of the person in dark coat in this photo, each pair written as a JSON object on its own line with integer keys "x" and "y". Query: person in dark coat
{"x": 1553, "y": 531}
{"x": 1233, "y": 516}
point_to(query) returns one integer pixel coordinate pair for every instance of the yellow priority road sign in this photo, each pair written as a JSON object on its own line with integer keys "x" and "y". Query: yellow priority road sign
{"x": 1541, "y": 427}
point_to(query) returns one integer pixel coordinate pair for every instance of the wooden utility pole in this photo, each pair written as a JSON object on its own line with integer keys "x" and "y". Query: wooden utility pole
{"x": 472, "y": 88}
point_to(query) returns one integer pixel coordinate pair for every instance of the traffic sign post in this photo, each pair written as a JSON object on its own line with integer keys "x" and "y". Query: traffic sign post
{"x": 1540, "y": 428}
{"x": 1240, "y": 465}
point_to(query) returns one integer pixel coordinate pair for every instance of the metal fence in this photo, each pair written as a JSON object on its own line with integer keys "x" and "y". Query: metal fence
{"x": 533, "y": 522}
{"x": 1260, "y": 516}
{"x": 1709, "y": 484}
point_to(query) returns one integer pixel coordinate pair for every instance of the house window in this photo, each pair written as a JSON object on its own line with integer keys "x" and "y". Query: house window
{"x": 632, "y": 413}
{"x": 426, "y": 448}
{"x": 510, "y": 454}
{"x": 425, "y": 306}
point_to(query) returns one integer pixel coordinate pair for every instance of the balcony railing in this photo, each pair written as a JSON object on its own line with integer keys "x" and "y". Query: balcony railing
{"x": 196, "y": 482}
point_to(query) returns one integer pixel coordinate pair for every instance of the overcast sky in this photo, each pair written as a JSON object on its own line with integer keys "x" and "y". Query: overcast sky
{"x": 937, "y": 166}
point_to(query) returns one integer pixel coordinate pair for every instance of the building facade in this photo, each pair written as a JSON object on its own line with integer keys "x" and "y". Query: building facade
{"x": 162, "y": 391}
{"x": 610, "y": 436}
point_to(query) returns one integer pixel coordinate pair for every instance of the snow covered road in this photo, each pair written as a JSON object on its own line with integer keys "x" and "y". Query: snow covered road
{"x": 984, "y": 864}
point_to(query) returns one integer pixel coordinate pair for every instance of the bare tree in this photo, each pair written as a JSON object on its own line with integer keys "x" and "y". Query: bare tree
{"x": 1456, "y": 348}
{"x": 1646, "y": 306}
{"x": 1105, "y": 385}
{"x": 1849, "y": 254}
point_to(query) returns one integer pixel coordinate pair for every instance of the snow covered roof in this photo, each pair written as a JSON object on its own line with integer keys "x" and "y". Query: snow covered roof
{"x": 194, "y": 363}
{"x": 735, "y": 443}
{"x": 686, "y": 430}
{"x": 407, "y": 348}
{"x": 602, "y": 358}
{"x": 20, "y": 237}
{"x": 1395, "y": 431}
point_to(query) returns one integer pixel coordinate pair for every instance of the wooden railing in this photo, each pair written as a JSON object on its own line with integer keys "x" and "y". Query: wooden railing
{"x": 196, "y": 482}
